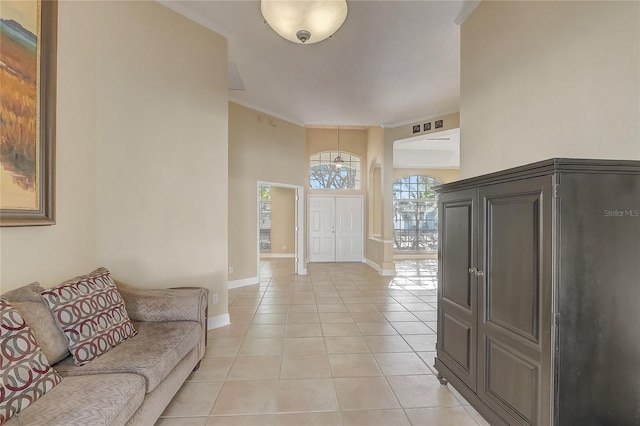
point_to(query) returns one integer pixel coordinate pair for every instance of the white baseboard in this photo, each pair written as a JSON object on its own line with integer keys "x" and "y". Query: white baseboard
{"x": 277, "y": 255}
{"x": 383, "y": 272}
{"x": 373, "y": 264}
{"x": 218, "y": 321}
{"x": 243, "y": 282}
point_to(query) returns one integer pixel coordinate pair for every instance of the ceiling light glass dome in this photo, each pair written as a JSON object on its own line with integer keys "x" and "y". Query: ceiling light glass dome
{"x": 304, "y": 21}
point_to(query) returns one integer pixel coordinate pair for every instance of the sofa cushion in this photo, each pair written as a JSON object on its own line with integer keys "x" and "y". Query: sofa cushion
{"x": 29, "y": 303}
{"x": 153, "y": 352}
{"x": 106, "y": 399}
{"x": 91, "y": 313}
{"x": 26, "y": 373}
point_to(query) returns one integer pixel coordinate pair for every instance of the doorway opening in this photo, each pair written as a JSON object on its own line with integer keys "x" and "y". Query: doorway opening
{"x": 280, "y": 220}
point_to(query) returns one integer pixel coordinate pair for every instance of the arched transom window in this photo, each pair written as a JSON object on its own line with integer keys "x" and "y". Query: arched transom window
{"x": 324, "y": 174}
{"x": 415, "y": 214}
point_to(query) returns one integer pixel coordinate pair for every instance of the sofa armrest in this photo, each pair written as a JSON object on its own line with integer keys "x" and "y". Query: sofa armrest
{"x": 165, "y": 305}
{"x": 190, "y": 304}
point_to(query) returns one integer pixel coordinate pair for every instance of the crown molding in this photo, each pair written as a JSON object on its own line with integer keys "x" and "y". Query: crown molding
{"x": 182, "y": 9}
{"x": 335, "y": 126}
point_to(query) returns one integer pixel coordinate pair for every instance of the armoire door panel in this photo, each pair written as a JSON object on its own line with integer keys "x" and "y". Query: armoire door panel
{"x": 457, "y": 246}
{"x": 514, "y": 298}
{"x": 512, "y": 271}
{"x": 457, "y": 341}
{"x": 457, "y": 294}
{"x": 512, "y": 381}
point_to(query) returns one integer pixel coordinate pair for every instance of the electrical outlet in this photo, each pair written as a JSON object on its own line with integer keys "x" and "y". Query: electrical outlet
{"x": 231, "y": 269}
{"x": 214, "y": 298}
{"x": 427, "y": 126}
{"x": 416, "y": 128}
{"x": 439, "y": 124}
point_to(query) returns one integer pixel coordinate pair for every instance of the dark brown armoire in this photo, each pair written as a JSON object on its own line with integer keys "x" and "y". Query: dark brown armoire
{"x": 539, "y": 293}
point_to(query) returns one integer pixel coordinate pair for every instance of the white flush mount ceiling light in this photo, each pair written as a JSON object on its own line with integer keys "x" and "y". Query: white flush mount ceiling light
{"x": 304, "y": 21}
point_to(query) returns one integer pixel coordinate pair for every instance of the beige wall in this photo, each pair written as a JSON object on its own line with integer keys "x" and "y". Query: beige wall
{"x": 261, "y": 148}
{"x": 549, "y": 79}
{"x": 141, "y": 154}
{"x": 51, "y": 254}
{"x": 375, "y": 151}
{"x": 374, "y": 191}
{"x": 162, "y": 148}
{"x": 374, "y": 246}
{"x": 283, "y": 207}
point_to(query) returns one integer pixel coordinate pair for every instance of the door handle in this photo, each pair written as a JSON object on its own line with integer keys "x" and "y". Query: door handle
{"x": 477, "y": 272}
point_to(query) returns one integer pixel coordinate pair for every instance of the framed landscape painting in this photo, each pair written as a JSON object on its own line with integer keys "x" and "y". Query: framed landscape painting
{"x": 28, "y": 31}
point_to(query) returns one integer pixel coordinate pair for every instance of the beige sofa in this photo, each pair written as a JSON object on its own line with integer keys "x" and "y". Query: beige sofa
{"x": 133, "y": 382}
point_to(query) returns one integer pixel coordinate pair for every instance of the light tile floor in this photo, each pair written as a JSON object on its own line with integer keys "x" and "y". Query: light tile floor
{"x": 339, "y": 346}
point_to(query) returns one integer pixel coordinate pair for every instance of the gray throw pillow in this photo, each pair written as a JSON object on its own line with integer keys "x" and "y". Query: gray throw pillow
{"x": 29, "y": 304}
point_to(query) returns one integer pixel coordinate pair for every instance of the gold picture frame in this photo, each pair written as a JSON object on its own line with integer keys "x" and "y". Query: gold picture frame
{"x": 28, "y": 112}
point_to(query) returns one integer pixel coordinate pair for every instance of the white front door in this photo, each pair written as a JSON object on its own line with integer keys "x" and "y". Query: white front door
{"x": 322, "y": 230}
{"x": 335, "y": 229}
{"x": 348, "y": 229}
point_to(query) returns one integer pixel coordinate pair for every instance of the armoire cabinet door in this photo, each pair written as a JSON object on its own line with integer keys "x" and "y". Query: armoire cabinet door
{"x": 457, "y": 296}
{"x": 515, "y": 305}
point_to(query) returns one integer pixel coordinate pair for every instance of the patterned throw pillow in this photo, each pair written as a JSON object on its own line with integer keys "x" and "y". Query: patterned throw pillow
{"x": 26, "y": 373}
{"x": 91, "y": 313}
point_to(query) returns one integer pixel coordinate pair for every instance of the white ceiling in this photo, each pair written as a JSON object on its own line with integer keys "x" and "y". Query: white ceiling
{"x": 392, "y": 62}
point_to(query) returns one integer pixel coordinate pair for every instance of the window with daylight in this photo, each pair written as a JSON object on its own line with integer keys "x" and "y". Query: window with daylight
{"x": 324, "y": 174}
{"x": 415, "y": 214}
